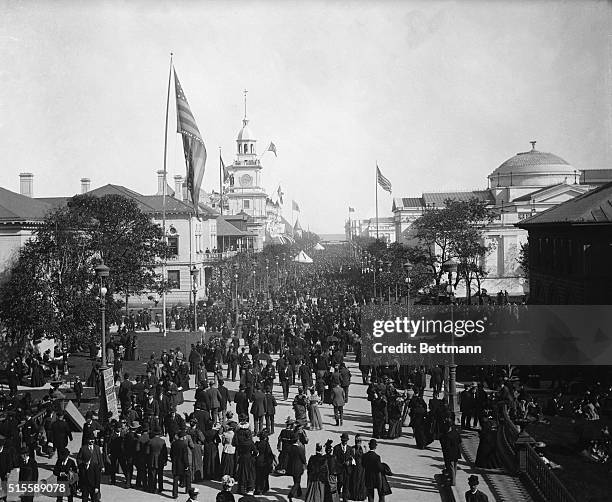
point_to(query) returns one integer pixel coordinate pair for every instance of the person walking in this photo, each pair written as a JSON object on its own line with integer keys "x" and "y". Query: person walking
{"x": 374, "y": 472}
{"x": 181, "y": 464}
{"x": 258, "y": 409}
{"x": 474, "y": 494}
{"x": 157, "y": 457}
{"x": 65, "y": 470}
{"x": 356, "y": 486}
{"x": 450, "y": 441}
{"x": 317, "y": 476}
{"x": 245, "y": 457}
{"x": 270, "y": 405}
{"x": 296, "y": 465}
{"x": 338, "y": 401}
{"x": 314, "y": 415}
{"x": 344, "y": 464}
{"x": 89, "y": 478}
{"x": 263, "y": 464}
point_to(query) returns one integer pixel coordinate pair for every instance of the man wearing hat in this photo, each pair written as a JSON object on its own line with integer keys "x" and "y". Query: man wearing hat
{"x": 181, "y": 463}
{"x": 7, "y": 459}
{"x": 140, "y": 460}
{"x": 467, "y": 405}
{"x": 91, "y": 427}
{"x": 193, "y": 494}
{"x": 66, "y": 470}
{"x": 174, "y": 423}
{"x": 373, "y": 470}
{"x": 89, "y": 478}
{"x": 28, "y": 471}
{"x": 60, "y": 432}
{"x": 242, "y": 401}
{"x": 130, "y": 443}
{"x": 474, "y": 494}
{"x": 157, "y": 457}
{"x": 344, "y": 461}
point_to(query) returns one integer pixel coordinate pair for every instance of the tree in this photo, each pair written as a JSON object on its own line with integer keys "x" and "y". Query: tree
{"x": 52, "y": 288}
{"x": 523, "y": 259}
{"x": 455, "y": 231}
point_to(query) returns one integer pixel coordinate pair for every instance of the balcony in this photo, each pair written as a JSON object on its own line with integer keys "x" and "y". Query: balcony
{"x": 217, "y": 257}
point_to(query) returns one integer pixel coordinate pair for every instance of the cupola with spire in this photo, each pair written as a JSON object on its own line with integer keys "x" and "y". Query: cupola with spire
{"x": 246, "y": 141}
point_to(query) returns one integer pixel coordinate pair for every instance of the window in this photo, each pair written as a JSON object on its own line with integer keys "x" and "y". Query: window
{"x": 173, "y": 246}
{"x": 246, "y": 204}
{"x": 174, "y": 279}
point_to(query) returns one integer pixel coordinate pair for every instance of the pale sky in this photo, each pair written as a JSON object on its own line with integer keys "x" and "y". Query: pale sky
{"x": 438, "y": 93}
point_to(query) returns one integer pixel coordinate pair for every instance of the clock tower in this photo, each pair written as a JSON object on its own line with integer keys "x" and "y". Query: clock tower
{"x": 245, "y": 193}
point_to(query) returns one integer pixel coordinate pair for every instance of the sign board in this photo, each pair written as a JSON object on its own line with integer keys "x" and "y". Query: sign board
{"x": 74, "y": 415}
{"x": 109, "y": 392}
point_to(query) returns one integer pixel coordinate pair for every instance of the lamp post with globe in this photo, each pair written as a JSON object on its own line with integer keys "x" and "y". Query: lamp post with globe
{"x": 450, "y": 266}
{"x": 194, "y": 279}
{"x": 407, "y": 269}
{"x": 102, "y": 272}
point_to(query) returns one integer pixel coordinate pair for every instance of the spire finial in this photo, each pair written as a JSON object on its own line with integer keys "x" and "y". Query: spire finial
{"x": 532, "y": 142}
{"x": 245, "y": 103}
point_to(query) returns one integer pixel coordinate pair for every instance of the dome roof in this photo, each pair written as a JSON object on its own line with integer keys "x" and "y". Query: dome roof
{"x": 534, "y": 161}
{"x": 245, "y": 133}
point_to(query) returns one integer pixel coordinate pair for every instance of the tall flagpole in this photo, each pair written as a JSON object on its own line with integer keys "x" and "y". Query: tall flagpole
{"x": 164, "y": 327}
{"x": 376, "y": 200}
{"x": 220, "y": 183}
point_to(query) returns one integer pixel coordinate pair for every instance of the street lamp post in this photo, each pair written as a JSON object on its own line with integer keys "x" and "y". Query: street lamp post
{"x": 102, "y": 271}
{"x": 236, "y": 291}
{"x": 450, "y": 266}
{"x": 407, "y": 269}
{"x": 277, "y": 277}
{"x": 267, "y": 278}
{"x": 254, "y": 286}
{"x": 194, "y": 277}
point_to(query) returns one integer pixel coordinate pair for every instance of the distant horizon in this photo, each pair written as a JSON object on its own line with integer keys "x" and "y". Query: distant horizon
{"x": 438, "y": 94}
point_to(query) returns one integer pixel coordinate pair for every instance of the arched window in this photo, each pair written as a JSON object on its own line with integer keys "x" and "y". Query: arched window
{"x": 252, "y": 147}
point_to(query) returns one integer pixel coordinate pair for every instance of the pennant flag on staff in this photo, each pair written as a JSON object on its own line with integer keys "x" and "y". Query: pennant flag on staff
{"x": 193, "y": 146}
{"x": 280, "y": 194}
{"x": 272, "y": 148}
{"x": 384, "y": 183}
{"x": 351, "y": 209}
{"x": 294, "y": 206}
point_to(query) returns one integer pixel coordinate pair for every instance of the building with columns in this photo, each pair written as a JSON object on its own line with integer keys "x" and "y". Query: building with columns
{"x": 526, "y": 184}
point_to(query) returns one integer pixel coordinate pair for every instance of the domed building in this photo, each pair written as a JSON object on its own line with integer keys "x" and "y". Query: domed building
{"x": 525, "y": 184}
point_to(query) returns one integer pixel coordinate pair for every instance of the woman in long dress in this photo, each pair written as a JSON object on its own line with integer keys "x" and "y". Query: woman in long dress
{"x": 228, "y": 463}
{"x": 356, "y": 487}
{"x": 314, "y": 415}
{"x": 318, "y": 475}
{"x": 263, "y": 464}
{"x": 394, "y": 415}
{"x": 197, "y": 463}
{"x": 211, "y": 454}
{"x": 245, "y": 459}
{"x": 284, "y": 441}
{"x": 331, "y": 489}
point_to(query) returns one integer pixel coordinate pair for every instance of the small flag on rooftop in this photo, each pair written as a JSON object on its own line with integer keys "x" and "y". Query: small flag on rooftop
{"x": 272, "y": 148}
{"x": 294, "y": 206}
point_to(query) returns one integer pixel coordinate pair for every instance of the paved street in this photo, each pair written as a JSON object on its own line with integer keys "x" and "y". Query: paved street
{"x": 414, "y": 469}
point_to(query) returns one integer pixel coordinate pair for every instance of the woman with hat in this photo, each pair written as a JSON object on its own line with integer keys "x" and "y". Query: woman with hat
{"x": 296, "y": 463}
{"x": 318, "y": 476}
{"x": 263, "y": 464}
{"x": 282, "y": 446}
{"x": 212, "y": 464}
{"x": 356, "y": 486}
{"x": 474, "y": 494}
{"x": 228, "y": 462}
{"x": 226, "y": 495}
{"x": 245, "y": 457}
{"x": 197, "y": 439}
{"x": 314, "y": 415}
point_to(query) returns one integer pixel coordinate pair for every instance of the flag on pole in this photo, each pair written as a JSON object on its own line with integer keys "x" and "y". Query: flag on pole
{"x": 294, "y": 206}
{"x": 193, "y": 146}
{"x": 226, "y": 173}
{"x": 384, "y": 183}
{"x": 280, "y": 194}
{"x": 272, "y": 148}
{"x": 351, "y": 209}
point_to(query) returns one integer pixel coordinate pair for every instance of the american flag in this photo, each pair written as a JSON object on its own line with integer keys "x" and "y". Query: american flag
{"x": 384, "y": 183}
{"x": 193, "y": 146}
{"x": 272, "y": 148}
{"x": 226, "y": 173}
{"x": 280, "y": 194}
{"x": 294, "y": 206}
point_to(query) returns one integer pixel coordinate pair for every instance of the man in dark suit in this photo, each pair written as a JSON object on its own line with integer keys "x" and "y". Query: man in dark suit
{"x": 91, "y": 427}
{"x": 258, "y": 409}
{"x": 345, "y": 380}
{"x": 60, "y": 432}
{"x": 78, "y": 390}
{"x": 296, "y": 463}
{"x": 94, "y": 451}
{"x": 270, "y": 407}
{"x": 157, "y": 457}
{"x": 125, "y": 391}
{"x": 213, "y": 398}
{"x": 338, "y": 400}
{"x": 181, "y": 464}
{"x": 225, "y": 399}
{"x": 450, "y": 441}
{"x": 174, "y": 423}
{"x": 28, "y": 471}
{"x": 474, "y": 494}
{"x": 437, "y": 376}
{"x": 89, "y": 478}
{"x": 344, "y": 463}
{"x": 140, "y": 460}
{"x": 281, "y": 366}
{"x": 242, "y": 402}
{"x": 66, "y": 470}
{"x": 202, "y": 417}
{"x": 373, "y": 470}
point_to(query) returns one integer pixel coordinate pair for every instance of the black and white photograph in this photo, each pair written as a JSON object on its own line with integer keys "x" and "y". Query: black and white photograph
{"x": 319, "y": 251}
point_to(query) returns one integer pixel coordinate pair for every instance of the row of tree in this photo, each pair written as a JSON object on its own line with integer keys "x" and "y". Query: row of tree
{"x": 452, "y": 232}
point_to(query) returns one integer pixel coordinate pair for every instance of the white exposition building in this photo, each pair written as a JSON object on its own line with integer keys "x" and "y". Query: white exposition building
{"x": 523, "y": 185}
